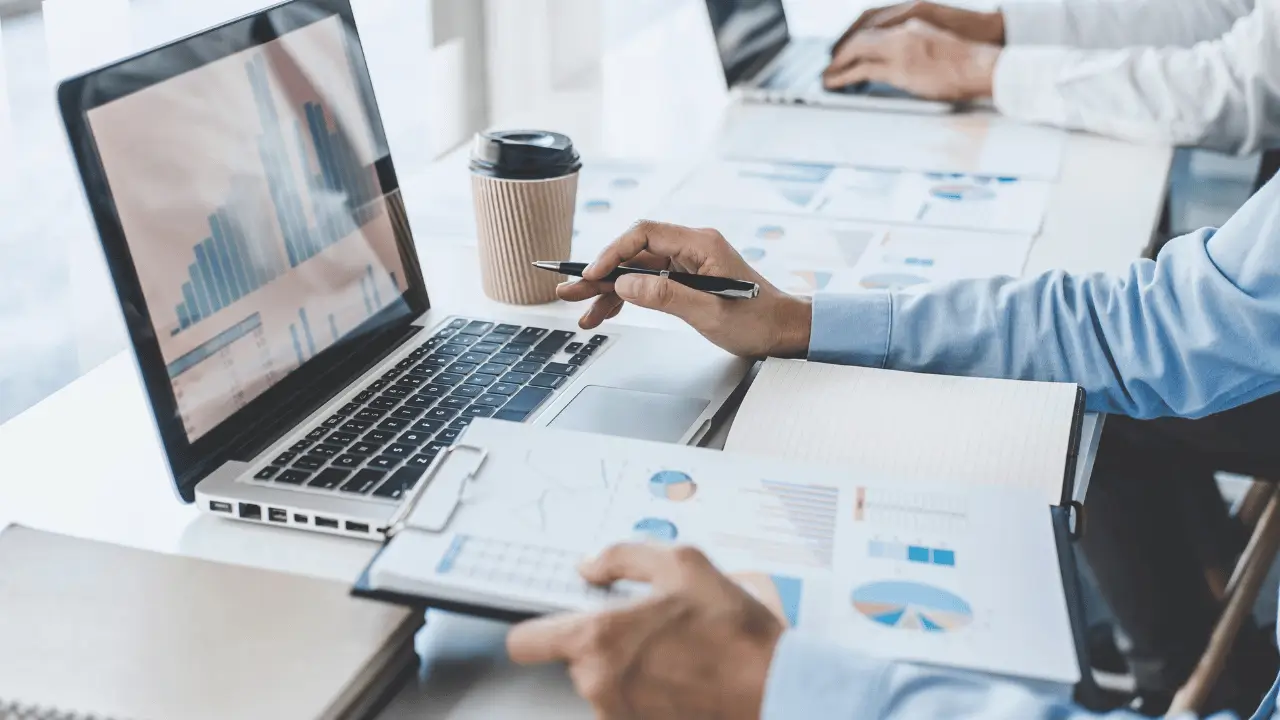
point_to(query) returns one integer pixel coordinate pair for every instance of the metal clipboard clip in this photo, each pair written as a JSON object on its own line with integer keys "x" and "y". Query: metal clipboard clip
{"x": 476, "y": 456}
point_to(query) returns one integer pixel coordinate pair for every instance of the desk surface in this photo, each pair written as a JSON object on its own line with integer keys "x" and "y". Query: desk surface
{"x": 86, "y": 461}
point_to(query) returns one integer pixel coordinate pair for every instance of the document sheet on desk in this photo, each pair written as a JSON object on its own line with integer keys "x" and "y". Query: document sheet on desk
{"x": 967, "y": 579}
{"x": 913, "y": 427}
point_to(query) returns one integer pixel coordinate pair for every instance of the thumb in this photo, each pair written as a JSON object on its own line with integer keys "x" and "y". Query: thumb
{"x": 666, "y": 295}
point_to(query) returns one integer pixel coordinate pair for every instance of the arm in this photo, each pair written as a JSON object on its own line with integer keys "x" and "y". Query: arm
{"x": 811, "y": 679}
{"x": 1113, "y": 24}
{"x": 1222, "y": 94}
{"x": 1193, "y": 333}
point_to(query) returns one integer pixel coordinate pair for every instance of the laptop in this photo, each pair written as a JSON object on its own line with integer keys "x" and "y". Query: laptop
{"x": 763, "y": 63}
{"x": 255, "y": 232}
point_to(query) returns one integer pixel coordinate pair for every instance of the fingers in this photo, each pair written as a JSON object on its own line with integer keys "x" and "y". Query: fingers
{"x": 661, "y": 239}
{"x": 668, "y": 296}
{"x": 546, "y": 639}
{"x": 579, "y": 290}
{"x": 605, "y": 307}
{"x": 866, "y": 18}
{"x": 868, "y": 46}
{"x": 629, "y": 561}
{"x": 870, "y": 71}
{"x": 878, "y": 18}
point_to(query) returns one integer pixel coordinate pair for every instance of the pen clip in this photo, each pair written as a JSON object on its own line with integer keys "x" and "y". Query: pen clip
{"x": 400, "y": 520}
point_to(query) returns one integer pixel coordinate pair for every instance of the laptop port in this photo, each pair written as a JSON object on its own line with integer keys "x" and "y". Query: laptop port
{"x": 326, "y": 523}
{"x": 357, "y": 527}
{"x": 219, "y": 506}
{"x": 300, "y": 518}
{"x": 249, "y": 511}
{"x": 277, "y": 515}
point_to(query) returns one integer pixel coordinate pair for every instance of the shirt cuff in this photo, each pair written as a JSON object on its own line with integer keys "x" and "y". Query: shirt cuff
{"x": 1025, "y": 86}
{"x": 809, "y": 678}
{"x": 851, "y": 329}
{"x": 1035, "y": 22}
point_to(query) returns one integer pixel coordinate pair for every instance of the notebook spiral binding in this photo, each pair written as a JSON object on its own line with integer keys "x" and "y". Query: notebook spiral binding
{"x": 10, "y": 710}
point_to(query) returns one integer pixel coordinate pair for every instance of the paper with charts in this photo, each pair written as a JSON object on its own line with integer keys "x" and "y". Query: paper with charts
{"x": 968, "y": 579}
{"x": 804, "y": 255}
{"x": 978, "y": 143}
{"x": 992, "y": 203}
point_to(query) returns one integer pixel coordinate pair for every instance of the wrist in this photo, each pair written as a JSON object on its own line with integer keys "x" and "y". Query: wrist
{"x": 793, "y": 322}
{"x": 980, "y": 80}
{"x": 993, "y": 27}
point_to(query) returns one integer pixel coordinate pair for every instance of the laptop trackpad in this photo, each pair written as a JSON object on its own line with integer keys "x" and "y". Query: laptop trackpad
{"x": 630, "y": 413}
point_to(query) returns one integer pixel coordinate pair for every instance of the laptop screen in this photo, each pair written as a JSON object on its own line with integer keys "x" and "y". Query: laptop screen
{"x": 749, "y": 33}
{"x": 248, "y": 196}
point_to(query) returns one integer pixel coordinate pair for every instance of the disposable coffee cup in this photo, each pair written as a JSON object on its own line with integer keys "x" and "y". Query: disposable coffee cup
{"x": 525, "y": 183}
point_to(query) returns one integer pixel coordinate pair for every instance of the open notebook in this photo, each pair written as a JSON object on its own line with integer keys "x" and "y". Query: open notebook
{"x": 911, "y": 427}
{"x": 966, "y": 577}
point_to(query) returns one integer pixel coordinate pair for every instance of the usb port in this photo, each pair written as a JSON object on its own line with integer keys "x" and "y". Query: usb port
{"x": 249, "y": 511}
{"x": 326, "y": 523}
{"x": 277, "y": 515}
{"x": 219, "y": 506}
{"x": 357, "y": 527}
{"x": 300, "y": 518}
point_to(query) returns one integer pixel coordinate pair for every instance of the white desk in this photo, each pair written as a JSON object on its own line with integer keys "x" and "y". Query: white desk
{"x": 86, "y": 460}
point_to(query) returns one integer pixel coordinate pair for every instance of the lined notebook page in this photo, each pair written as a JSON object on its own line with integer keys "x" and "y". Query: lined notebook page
{"x": 910, "y": 427}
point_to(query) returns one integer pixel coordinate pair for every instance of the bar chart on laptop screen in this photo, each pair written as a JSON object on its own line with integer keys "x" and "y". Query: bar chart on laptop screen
{"x": 254, "y": 214}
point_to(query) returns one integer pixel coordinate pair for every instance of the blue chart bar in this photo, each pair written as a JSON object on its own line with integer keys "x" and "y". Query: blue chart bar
{"x": 373, "y": 285}
{"x": 911, "y": 553}
{"x": 297, "y": 346}
{"x": 188, "y": 311}
{"x": 364, "y": 290}
{"x": 218, "y": 342}
{"x": 222, "y": 252}
{"x": 333, "y": 328}
{"x": 306, "y": 330}
{"x": 207, "y": 280}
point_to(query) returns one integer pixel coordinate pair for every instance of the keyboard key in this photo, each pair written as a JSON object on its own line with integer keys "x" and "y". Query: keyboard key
{"x": 424, "y": 370}
{"x": 385, "y": 462}
{"x": 517, "y": 348}
{"x": 554, "y": 341}
{"x": 378, "y": 437}
{"x": 529, "y": 335}
{"x": 363, "y": 482}
{"x": 476, "y": 327}
{"x": 448, "y": 379}
{"x": 325, "y": 451}
{"x": 398, "y": 450}
{"x": 420, "y": 461}
{"x": 400, "y": 482}
{"x": 478, "y": 411}
{"x": 396, "y": 392}
{"x": 525, "y": 401}
{"x": 560, "y": 369}
{"x": 527, "y": 367}
{"x": 491, "y": 369}
{"x": 420, "y": 401}
{"x": 394, "y": 424}
{"x": 457, "y": 324}
{"x": 392, "y": 374}
{"x": 356, "y": 426}
{"x": 370, "y": 414}
{"x": 516, "y": 378}
{"x": 329, "y": 478}
{"x": 473, "y": 357}
{"x": 364, "y": 448}
{"x": 428, "y": 426}
{"x": 455, "y": 403}
{"x": 438, "y": 360}
{"x": 578, "y": 359}
{"x": 420, "y": 350}
{"x": 309, "y": 462}
{"x": 376, "y": 385}
{"x": 505, "y": 358}
{"x": 538, "y": 357}
{"x": 547, "y": 380}
{"x": 348, "y": 461}
{"x": 364, "y": 396}
{"x": 460, "y": 423}
{"x": 435, "y": 448}
{"x": 506, "y": 329}
{"x": 573, "y": 347}
{"x": 467, "y": 391}
{"x": 317, "y": 434}
{"x": 340, "y": 438}
{"x": 348, "y": 408}
{"x": 482, "y": 380}
{"x": 488, "y": 348}
{"x": 461, "y": 368}
{"x": 511, "y": 415}
{"x": 267, "y": 473}
{"x": 384, "y": 403}
{"x": 284, "y": 458}
{"x": 439, "y": 413}
{"x": 492, "y": 400}
{"x": 598, "y": 340}
{"x": 414, "y": 438}
{"x": 332, "y": 422}
{"x": 412, "y": 381}
{"x": 408, "y": 413}
{"x": 404, "y": 363}
{"x": 451, "y": 349}
{"x": 300, "y": 445}
{"x": 293, "y": 477}
{"x": 589, "y": 348}
{"x": 504, "y": 388}
{"x": 448, "y": 436}
{"x": 434, "y": 390}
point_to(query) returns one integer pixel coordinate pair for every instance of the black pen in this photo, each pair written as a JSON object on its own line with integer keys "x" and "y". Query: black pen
{"x": 724, "y": 287}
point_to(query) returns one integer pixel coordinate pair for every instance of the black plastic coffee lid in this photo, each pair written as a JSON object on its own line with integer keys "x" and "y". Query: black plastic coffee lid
{"x": 524, "y": 155}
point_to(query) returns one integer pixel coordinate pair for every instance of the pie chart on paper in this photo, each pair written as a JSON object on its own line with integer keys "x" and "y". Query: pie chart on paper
{"x": 672, "y": 485}
{"x": 904, "y": 605}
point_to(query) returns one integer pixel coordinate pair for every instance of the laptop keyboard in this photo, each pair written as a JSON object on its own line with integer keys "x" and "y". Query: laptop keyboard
{"x": 382, "y": 442}
{"x": 800, "y": 66}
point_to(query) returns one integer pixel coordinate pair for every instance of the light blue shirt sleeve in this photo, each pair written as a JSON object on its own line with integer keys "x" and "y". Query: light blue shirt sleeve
{"x": 1192, "y": 333}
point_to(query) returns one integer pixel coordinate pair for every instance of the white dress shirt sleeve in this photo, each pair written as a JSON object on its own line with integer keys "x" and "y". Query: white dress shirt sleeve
{"x": 1115, "y": 24}
{"x": 1222, "y": 94}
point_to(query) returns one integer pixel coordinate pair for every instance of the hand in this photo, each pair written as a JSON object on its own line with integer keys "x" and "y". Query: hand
{"x": 919, "y": 58}
{"x": 983, "y": 27}
{"x": 698, "y": 647}
{"x": 773, "y": 323}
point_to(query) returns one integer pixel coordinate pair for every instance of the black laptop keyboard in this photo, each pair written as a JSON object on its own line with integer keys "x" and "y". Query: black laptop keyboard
{"x": 382, "y": 442}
